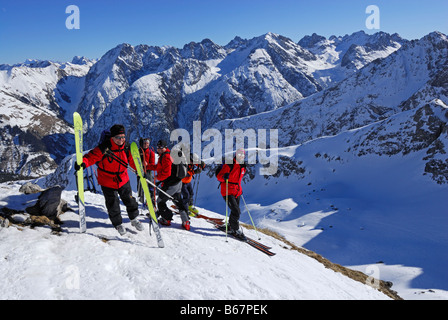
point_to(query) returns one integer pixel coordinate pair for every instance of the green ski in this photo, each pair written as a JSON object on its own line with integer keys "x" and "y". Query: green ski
{"x": 77, "y": 122}
{"x": 153, "y": 219}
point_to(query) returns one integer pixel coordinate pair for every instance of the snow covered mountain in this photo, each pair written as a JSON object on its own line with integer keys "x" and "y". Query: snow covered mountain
{"x": 408, "y": 79}
{"x": 371, "y": 198}
{"x": 154, "y": 90}
{"x": 169, "y": 88}
{"x": 362, "y": 123}
{"x": 345, "y": 55}
{"x": 36, "y": 99}
{"x": 207, "y": 82}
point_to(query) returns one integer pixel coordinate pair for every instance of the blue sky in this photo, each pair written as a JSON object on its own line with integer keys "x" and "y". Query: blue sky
{"x": 36, "y": 29}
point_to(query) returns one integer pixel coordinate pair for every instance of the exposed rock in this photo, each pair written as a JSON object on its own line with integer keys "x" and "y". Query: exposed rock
{"x": 49, "y": 204}
{"x": 30, "y": 188}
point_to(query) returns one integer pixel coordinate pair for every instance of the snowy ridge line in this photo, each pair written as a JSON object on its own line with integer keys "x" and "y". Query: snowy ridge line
{"x": 384, "y": 286}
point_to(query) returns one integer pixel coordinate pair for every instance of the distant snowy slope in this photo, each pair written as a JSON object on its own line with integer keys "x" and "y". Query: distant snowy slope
{"x": 372, "y": 197}
{"x": 35, "y": 100}
{"x": 202, "y": 81}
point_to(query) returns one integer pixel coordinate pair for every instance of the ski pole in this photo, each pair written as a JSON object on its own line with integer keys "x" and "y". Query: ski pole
{"x": 197, "y": 188}
{"x": 87, "y": 178}
{"x": 154, "y": 190}
{"x": 227, "y": 203}
{"x": 92, "y": 181}
{"x": 253, "y": 224}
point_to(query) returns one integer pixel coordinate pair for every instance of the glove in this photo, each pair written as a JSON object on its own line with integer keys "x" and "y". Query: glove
{"x": 77, "y": 166}
{"x": 197, "y": 170}
{"x": 226, "y": 176}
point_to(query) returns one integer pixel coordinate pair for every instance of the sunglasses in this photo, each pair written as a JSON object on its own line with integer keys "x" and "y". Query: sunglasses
{"x": 120, "y": 137}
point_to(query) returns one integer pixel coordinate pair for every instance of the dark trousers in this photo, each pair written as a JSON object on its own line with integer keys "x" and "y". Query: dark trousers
{"x": 175, "y": 192}
{"x": 234, "y": 206}
{"x": 187, "y": 194}
{"x": 113, "y": 203}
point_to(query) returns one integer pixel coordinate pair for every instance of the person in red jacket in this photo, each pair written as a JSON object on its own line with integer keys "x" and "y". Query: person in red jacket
{"x": 171, "y": 185}
{"x": 230, "y": 177}
{"x": 113, "y": 177}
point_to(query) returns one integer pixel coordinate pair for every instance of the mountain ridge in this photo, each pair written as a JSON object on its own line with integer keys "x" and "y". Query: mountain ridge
{"x": 164, "y": 88}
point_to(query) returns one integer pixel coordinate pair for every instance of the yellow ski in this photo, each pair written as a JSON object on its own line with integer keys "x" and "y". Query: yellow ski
{"x": 153, "y": 218}
{"x": 77, "y": 122}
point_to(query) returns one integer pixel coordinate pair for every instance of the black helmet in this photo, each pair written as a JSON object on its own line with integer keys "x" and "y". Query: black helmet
{"x": 161, "y": 144}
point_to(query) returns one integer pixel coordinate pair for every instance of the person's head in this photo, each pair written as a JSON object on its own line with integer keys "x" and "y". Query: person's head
{"x": 240, "y": 155}
{"x": 117, "y": 132}
{"x": 161, "y": 146}
{"x": 144, "y": 143}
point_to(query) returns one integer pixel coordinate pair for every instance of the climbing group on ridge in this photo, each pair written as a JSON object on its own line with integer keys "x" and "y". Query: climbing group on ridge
{"x": 171, "y": 181}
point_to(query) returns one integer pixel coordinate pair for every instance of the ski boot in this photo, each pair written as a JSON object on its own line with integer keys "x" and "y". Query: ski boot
{"x": 186, "y": 225}
{"x": 137, "y": 225}
{"x": 121, "y": 230}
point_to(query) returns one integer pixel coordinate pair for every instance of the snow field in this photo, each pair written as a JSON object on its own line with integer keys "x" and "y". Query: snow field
{"x": 197, "y": 264}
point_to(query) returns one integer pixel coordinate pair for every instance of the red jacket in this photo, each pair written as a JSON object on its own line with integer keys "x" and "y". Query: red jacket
{"x": 235, "y": 178}
{"x": 111, "y": 173}
{"x": 149, "y": 158}
{"x": 163, "y": 166}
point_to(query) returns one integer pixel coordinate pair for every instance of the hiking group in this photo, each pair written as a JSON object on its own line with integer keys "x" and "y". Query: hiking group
{"x": 112, "y": 157}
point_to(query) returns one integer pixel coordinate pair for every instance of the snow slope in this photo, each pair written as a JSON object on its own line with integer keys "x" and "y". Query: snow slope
{"x": 198, "y": 264}
{"x": 356, "y": 198}
{"x": 365, "y": 197}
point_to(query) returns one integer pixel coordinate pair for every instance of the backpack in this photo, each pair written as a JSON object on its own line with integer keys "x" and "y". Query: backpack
{"x": 179, "y": 170}
{"x": 104, "y": 142}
